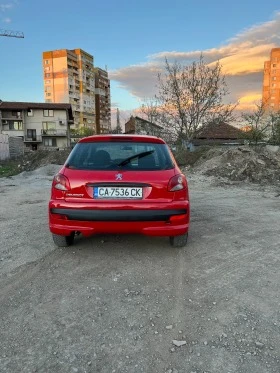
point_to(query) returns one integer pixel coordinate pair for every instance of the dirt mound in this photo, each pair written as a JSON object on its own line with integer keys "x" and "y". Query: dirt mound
{"x": 39, "y": 158}
{"x": 260, "y": 165}
{"x": 252, "y": 164}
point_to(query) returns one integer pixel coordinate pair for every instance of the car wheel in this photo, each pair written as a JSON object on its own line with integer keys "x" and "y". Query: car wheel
{"x": 179, "y": 241}
{"x": 63, "y": 241}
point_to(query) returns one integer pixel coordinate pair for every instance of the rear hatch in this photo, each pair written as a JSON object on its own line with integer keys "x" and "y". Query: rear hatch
{"x": 118, "y": 171}
{"x": 118, "y": 186}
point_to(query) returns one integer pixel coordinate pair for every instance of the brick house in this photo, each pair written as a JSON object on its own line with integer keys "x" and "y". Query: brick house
{"x": 219, "y": 134}
{"x": 141, "y": 126}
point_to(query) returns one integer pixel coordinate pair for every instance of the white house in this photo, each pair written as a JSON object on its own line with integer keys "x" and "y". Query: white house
{"x": 40, "y": 125}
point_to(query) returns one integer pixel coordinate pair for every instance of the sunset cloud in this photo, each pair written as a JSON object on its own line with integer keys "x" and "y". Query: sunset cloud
{"x": 242, "y": 59}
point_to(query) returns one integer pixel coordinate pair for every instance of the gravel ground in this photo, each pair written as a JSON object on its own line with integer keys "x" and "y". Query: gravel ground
{"x": 135, "y": 304}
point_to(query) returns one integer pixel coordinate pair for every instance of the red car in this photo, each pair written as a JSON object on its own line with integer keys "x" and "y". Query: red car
{"x": 120, "y": 184}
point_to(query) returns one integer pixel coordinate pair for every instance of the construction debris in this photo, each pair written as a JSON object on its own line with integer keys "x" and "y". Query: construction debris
{"x": 259, "y": 165}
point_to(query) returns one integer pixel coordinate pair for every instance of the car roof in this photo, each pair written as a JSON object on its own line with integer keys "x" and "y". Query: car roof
{"x": 122, "y": 138}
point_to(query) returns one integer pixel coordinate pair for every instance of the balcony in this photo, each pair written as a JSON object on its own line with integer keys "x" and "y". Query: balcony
{"x": 54, "y": 132}
{"x": 33, "y": 139}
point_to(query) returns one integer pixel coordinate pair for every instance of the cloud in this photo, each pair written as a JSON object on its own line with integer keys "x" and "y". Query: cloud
{"x": 242, "y": 58}
{"x": 4, "y": 7}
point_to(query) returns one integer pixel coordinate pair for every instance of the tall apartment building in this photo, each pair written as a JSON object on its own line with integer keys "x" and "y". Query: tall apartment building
{"x": 102, "y": 101}
{"x": 271, "y": 81}
{"x": 69, "y": 78}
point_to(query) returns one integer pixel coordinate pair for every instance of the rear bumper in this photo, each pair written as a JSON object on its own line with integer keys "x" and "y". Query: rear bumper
{"x": 117, "y": 215}
{"x": 171, "y": 220}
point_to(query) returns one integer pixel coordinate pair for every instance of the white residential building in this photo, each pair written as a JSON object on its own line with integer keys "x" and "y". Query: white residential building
{"x": 40, "y": 125}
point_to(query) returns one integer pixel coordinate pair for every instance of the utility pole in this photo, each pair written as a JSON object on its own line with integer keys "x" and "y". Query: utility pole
{"x": 1, "y": 126}
{"x": 12, "y": 34}
{"x": 119, "y": 129}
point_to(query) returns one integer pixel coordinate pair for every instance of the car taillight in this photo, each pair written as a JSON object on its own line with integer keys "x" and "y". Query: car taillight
{"x": 177, "y": 182}
{"x": 61, "y": 182}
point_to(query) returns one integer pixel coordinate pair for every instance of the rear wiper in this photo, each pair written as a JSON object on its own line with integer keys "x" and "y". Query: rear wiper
{"x": 140, "y": 155}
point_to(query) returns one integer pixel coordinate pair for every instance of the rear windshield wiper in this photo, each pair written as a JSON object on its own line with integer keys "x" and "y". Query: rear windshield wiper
{"x": 140, "y": 155}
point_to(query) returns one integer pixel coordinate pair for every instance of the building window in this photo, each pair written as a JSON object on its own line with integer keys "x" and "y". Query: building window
{"x": 273, "y": 85}
{"x": 274, "y": 78}
{"x": 47, "y": 82}
{"x": 47, "y": 88}
{"x": 48, "y": 75}
{"x": 49, "y": 142}
{"x": 16, "y": 126}
{"x": 47, "y": 62}
{"x": 274, "y": 65}
{"x": 48, "y": 100}
{"x": 48, "y": 113}
{"x": 48, "y": 94}
{"x": 47, "y": 68}
{"x": 30, "y": 113}
{"x": 48, "y": 126}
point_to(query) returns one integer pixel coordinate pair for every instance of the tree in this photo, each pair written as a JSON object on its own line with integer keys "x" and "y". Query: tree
{"x": 191, "y": 97}
{"x": 259, "y": 120}
{"x": 82, "y": 132}
{"x": 149, "y": 110}
{"x": 275, "y": 128}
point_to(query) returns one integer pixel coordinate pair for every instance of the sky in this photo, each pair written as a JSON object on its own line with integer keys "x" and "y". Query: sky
{"x": 132, "y": 38}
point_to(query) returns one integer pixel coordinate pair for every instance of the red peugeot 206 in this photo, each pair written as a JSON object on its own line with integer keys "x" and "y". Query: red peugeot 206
{"x": 120, "y": 184}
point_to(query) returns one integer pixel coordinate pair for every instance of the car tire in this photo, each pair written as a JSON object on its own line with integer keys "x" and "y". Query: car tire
{"x": 63, "y": 241}
{"x": 179, "y": 241}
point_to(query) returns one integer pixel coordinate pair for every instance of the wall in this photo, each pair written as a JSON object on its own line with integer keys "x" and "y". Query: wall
{"x": 4, "y": 147}
{"x": 16, "y": 147}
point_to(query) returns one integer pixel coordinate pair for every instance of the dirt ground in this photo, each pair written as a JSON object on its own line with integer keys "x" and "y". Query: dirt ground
{"x": 135, "y": 304}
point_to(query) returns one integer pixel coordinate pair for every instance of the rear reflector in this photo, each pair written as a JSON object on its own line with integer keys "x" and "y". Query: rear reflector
{"x": 176, "y": 218}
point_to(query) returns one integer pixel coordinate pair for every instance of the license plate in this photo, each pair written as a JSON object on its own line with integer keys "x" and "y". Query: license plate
{"x": 118, "y": 192}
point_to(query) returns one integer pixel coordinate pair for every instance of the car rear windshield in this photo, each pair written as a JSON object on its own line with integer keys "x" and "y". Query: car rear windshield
{"x": 120, "y": 155}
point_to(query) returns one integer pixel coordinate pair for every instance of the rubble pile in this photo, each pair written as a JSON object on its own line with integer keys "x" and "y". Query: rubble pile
{"x": 255, "y": 164}
{"x": 35, "y": 159}
{"x": 259, "y": 165}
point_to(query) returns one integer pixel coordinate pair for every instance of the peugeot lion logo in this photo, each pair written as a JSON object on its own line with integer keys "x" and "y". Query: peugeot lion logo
{"x": 118, "y": 176}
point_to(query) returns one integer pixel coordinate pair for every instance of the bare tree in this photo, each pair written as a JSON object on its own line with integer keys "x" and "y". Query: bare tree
{"x": 149, "y": 110}
{"x": 260, "y": 123}
{"x": 191, "y": 97}
{"x": 275, "y": 128}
